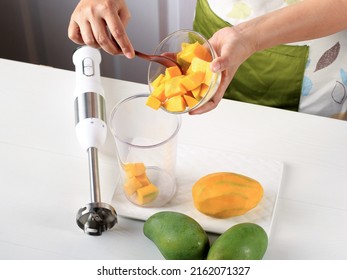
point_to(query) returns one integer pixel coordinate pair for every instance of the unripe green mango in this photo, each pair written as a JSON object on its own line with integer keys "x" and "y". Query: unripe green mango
{"x": 177, "y": 236}
{"x": 245, "y": 241}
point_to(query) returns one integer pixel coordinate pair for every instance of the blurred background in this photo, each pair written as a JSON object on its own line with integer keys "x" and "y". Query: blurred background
{"x": 35, "y": 31}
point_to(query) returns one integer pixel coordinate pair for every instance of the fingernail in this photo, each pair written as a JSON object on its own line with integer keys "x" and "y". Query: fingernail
{"x": 129, "y": 55}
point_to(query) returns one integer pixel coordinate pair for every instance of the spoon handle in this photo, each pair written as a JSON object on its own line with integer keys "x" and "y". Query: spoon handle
{"x": 164, "y": 60}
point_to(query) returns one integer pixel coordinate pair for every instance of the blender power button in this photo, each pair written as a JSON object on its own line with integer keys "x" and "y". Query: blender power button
{"x": 88, "y": 67}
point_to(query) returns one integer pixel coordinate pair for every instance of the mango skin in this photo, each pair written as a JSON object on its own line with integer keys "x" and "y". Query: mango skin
{"x": 177, "y": 236}
{"x": 244, "y": 241}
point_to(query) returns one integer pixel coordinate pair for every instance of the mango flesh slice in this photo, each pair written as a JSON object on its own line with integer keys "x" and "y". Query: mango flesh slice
{"x": 194, "y": 82}
{"x": 138, "y": 184}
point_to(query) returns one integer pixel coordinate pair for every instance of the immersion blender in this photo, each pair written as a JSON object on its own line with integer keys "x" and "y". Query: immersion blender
{"x": 91, "y": 130}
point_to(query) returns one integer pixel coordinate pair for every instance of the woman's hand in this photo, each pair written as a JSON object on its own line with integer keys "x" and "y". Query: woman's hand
{"x": 102, "y": 24}
{"x": 232, "y": 49}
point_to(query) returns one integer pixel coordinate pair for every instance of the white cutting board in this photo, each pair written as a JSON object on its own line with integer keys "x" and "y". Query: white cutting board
{"x": 195, "y": 162}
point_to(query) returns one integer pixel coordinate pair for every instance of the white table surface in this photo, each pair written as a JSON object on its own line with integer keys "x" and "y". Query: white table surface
{"x": 44, "y": 171}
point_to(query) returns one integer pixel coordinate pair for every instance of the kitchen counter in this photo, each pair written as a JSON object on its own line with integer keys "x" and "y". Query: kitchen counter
{"x": 44, "y": 171}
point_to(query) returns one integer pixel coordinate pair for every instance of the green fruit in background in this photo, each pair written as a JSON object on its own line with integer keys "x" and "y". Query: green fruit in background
{"x": 245, "y": 241}
{"x": 177, "y": 236}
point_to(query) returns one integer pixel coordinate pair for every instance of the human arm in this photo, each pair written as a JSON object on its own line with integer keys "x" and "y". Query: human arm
{"x": 305, "y": 20}
{"x": 102, "y": 24}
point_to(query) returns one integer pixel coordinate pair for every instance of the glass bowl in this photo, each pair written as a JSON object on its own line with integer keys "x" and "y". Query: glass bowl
{"x": 171, "y": 46}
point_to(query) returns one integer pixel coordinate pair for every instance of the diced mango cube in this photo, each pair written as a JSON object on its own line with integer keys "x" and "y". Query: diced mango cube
{"x": 195, "y": 50}
{"x": 159, "y": 92}
{"x": 208, "y": 77}
{"x": 174, "y": 87}
{"x": 184, "y": 64}
{"x": 146, "y": 194}
{"x": 139, "y": 187}
{"x": 134, "y": 169}
{"x": 196, "y": 92}
{"x": 203, "y": 90}
{"x": 190, "y": 100}
{"x": 153, "y": 102}
{"x": 173, "y": 71}
{"x": 199, "y": 64}
{"x": 175, "y": 104}
{"x": 131, "y": 186}
{"x": 201, "y": 52}
{"x": 157, "y": 80}
{"x": 185, "y": 56}
{"x": 143, "y": 179}
{"x": 193, "y": 80}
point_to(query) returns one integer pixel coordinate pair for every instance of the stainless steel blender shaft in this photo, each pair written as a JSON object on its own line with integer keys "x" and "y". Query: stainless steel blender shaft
{"x": 94, "y": 175}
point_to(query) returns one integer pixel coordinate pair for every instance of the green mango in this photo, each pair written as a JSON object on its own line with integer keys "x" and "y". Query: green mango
{"x": 177, "y": 236}
{"x": 244, "y": 241}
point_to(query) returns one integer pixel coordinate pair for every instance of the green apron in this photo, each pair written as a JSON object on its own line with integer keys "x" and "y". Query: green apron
{"x": 272, "y": 77}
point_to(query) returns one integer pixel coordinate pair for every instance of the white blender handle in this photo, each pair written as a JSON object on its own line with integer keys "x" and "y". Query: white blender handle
{"x": 90, "y": 112}
{"x": 87, "y": 66}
